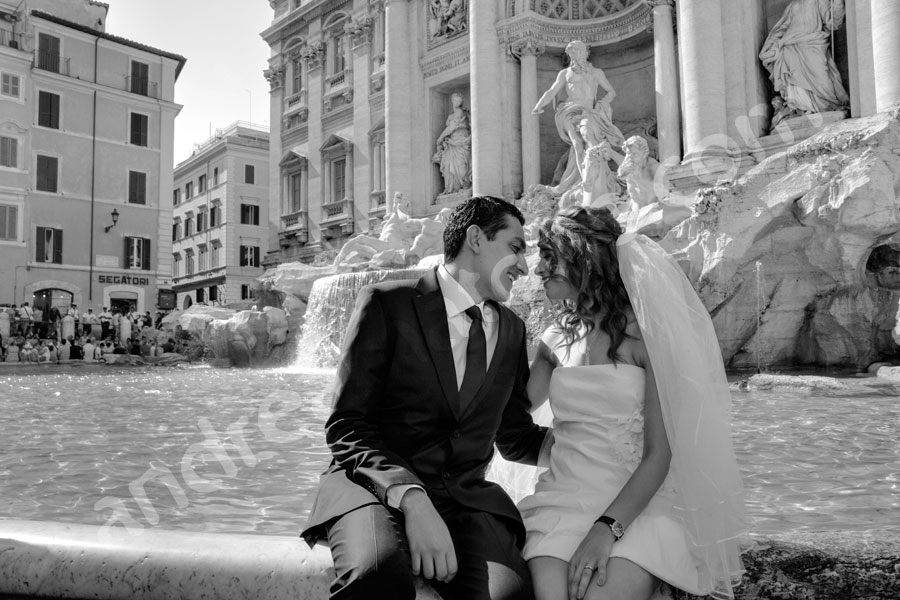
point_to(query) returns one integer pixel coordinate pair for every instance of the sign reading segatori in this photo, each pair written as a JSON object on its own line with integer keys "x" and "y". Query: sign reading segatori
{"x": 123, "y": 279}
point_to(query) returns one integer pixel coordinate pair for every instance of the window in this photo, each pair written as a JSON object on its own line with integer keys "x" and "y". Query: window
{"x": 189, "y": 190}
{"x": 48, "y": 110}
{"x": 47, "y": 173}
{"x": 137, "y": 253}
{"x": 202, "y": 262}
{"x": 201, "y": 184}
{"x": 189, "y": 263}
{"x": 176, "y": 227}
{"x": 188, "y": 226}
{"x": 139, "y": 129}
{"x": 176, "y": 266}
{"x": 213, "y": 293}
{"x": 140, "y": 78}
{"x": 295, "y": 191}
{"x": 338, "y": 179}
{"x": 201, "y": 296}
{"x": 9, "y": 223}
{"x": 137, "y": 187}
{"x": 215, "y": 215}
{"x": 49, "y": 245}
{"x": 9, "y": 152}
{"x": 249, "y": 214}
{"x": 176, "y": 197}
{"x": 201, "y": 221}
{"x": 378, "y": 168}
{"x": 48, "y": 52}
{"x": 249, "y": 174}
{"x": 215, "y": 176}
{"x": 214, "y": 258}
{"x": 246, "y": 293}
{"x": 249, "y": 256}
{"x": 9, "y": 85}
{"x": 296, "y": 75}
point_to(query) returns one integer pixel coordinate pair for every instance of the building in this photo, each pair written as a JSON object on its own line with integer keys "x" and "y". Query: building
{"x": 361, "y": 91}
{"x": 223, "y": 223}
{"x": 86, "y": 131}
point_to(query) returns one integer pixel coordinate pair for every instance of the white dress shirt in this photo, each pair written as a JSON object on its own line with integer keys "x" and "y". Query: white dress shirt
{"x": 456, "y": 301}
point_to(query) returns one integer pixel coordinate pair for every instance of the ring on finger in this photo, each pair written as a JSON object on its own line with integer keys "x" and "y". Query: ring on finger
{"x": 588, "y": 568}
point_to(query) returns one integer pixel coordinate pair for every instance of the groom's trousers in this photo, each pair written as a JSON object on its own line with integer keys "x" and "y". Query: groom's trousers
{"x": 372, "y": 560}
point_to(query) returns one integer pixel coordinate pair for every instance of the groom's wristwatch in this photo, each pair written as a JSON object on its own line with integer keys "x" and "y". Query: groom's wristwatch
{"x": 617, "y": 529}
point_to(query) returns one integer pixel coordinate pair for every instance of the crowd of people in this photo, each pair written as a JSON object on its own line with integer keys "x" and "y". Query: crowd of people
{"x": 38, "y": 336}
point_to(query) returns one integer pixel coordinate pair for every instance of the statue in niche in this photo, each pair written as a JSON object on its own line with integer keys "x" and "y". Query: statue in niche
{"x": 796, "y": 55}
{"x": 580, "y": 80}
{"x": 449, "y": 17}
{"x": 454, "y": 148}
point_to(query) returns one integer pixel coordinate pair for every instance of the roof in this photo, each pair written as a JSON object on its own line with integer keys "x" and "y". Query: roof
{"x": 113, "y": 38}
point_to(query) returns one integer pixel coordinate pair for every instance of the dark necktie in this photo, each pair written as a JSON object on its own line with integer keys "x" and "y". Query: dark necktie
{"x": 476, "y": 359}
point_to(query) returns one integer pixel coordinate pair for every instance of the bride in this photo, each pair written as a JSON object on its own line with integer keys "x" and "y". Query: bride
{"x": 642, "y": 486}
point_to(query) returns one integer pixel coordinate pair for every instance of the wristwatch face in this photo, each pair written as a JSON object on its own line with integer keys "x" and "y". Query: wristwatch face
{"x": 617, "y": 529}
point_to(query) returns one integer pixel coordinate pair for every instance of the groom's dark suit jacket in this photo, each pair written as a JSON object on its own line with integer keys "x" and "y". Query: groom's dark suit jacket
{"x": 396, "y": 416}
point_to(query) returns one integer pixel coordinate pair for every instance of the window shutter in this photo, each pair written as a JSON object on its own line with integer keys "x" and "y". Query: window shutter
{"x": 243, "y": 260}
{"x": 54, "y": 111}
{"x": 57, "y": 246}
{"x": 255, "y": 256}
{"x": 145, "y": 254}
{"x": 39, "y": 255}
{"x": 128, "y": 247}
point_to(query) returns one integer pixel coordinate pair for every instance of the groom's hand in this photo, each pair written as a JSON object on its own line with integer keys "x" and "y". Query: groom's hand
{"x": 430, "y": 544}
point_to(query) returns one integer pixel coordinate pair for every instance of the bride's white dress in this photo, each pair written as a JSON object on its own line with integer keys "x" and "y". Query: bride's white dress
{"x": 598, "y": 435}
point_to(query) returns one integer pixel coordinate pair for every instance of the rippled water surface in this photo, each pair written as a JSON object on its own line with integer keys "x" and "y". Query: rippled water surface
{"x": 203, "y": 449}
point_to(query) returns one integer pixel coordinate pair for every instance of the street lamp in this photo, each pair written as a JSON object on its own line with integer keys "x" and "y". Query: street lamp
{"x": 115, "y": 219}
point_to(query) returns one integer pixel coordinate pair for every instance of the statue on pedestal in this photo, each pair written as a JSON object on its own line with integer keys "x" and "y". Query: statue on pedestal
{"x": 454, "y": 148}
{"x": 580, "y": 80}
{"x": 599, "y": 188}
{"x": 638, "y": 170}
{"x": 796, "y": 55}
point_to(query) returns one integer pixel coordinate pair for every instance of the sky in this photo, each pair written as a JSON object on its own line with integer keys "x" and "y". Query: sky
{"x": 222, "y": 81}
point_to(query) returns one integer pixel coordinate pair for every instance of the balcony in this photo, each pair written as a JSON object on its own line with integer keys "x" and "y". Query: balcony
{"x": 337, "y": 215}
{"x": 141, "y": 86}
{"x": 10, "y": 39}
{"x": 294, "y": 220}
{"x": 53, "y": 63}
{"x": 338, "y": 81}
{"x": 296, "y": 101}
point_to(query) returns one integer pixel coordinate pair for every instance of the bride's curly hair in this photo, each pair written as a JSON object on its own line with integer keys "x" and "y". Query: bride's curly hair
{"x": 584, "y": 241}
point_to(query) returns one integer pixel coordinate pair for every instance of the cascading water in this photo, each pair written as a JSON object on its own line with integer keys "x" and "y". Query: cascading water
{"x": 331, "y": 303}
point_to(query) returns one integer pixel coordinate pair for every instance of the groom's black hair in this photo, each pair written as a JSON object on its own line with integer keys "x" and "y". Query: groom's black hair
{"x": 487, "y": 212}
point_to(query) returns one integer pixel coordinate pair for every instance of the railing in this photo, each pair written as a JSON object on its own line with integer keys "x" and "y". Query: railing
{"x": 295, "y": 220}
{"x": 141, "y": 86}
{"x": 10, "y": 39}
{"x": 298, "y": 100}
{"x": 338, "y": 80}
{"x": 336, "y": 210}
{"x": 53, "y": 63}
{"x": 378, "y": 199}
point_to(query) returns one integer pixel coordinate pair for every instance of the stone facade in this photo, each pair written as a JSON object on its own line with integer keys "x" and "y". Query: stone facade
{"x": 87, "y": 128}
{"x": 223, "y": 224}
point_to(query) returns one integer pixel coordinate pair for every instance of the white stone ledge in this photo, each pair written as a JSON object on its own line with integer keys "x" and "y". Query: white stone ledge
{"x": 63, "y": 560}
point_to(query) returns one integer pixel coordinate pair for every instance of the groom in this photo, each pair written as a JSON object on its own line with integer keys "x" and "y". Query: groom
{"x": 433, "y": 374}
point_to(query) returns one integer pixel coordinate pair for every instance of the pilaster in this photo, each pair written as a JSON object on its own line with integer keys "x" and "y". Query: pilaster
{"x": 886, "y": 52}
{"x": 527, "y": 52}
{"x": 668, "y": 109}
{"x": 487, "y": 122}
{"x": 397, "y": 102}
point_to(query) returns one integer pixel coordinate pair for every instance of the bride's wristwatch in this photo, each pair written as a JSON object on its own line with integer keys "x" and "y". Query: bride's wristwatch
{"x": 617, "y": 529}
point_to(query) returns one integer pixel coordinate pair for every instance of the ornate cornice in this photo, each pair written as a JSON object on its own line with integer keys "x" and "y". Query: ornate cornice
{"x": 314, "y": 54}
{"x": 360, "y": 31}
{"x": 557, "y": 33}
{"x": 275, "y": 77}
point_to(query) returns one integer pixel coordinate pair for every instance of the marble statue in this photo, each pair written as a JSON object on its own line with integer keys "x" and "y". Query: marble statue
{"x": 599, "y": 188}
{"x": 396, "y": 234}
{"x": 797, "y": 58}
{"x": 580, "y": 80}
{"x": 449, "y": 17}
{"x": 638, "y": 170}
{"x": 430, "y": 240}
{"x": 454, "y": 148}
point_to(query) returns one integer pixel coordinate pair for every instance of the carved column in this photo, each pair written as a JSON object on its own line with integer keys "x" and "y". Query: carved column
{"x": 527, "y": 51}
{"x": 702, "y": 77}
{"x": 886, "y": 46}
{"x": 668, "y": 100}
{"x": 485, "y": 76}
{"x": 397, "y": 107}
